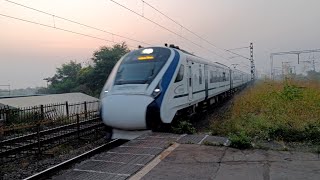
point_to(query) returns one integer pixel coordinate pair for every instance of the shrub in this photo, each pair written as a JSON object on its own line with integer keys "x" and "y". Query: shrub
{"x": 291, "y": 92}
{"x": 183, "y": 127}
{"x": 312, "y": 133}
{"x": 286, "y": 134}
{"x": 273, "y": 110}
{"x": 240, "y": 140}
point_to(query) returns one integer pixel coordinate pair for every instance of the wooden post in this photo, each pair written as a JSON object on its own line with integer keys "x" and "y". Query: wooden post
{"x": 41, "y": 113}
{"x": 85, "y": 110}
{"x": 67, "y": 109}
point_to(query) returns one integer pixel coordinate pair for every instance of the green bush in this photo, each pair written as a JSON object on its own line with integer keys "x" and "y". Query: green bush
{"x": 274, "y": 110}
{"x": 312, "y": 133}
{"x": 285, "y": 133}
{"x": 240, "y": 140}
{"x": 291, "y": 92}
{"x": 183, "y": 127}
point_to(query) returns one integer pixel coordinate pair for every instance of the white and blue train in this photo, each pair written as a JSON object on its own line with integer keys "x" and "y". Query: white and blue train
{"x": 148, "y": 86}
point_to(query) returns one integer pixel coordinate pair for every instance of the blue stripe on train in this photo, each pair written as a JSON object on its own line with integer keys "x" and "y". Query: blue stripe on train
{"x": 167, "y": 77}
{"x": 153, "y": 119}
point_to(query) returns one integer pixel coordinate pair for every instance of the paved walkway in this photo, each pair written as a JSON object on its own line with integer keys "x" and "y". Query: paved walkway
{"x": 190, "y": 161}
{"x": 178, "y": 157}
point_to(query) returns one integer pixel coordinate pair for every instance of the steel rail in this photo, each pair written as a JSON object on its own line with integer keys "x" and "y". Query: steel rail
{"x": 54, "y": 169}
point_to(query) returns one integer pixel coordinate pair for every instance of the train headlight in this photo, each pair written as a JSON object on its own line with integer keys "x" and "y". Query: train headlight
{"x": 147, "y": 51}
{"x": 156, "y": 91}
{"x": 104, "y": 93}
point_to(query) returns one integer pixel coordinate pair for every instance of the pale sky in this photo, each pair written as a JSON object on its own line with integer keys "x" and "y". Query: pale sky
{"x": 29, "y": 53}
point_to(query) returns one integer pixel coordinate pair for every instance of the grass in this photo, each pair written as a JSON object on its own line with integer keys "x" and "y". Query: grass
{"x": 272, "y": 110}
{"x": 183, "y": 127}
{"x": 240, "y": 140}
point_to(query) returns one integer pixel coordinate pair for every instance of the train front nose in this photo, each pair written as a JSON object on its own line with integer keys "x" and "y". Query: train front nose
{"x": 125, "y": 111}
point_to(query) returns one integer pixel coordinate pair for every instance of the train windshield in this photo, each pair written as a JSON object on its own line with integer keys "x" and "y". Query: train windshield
{"x": 141, "y": 66}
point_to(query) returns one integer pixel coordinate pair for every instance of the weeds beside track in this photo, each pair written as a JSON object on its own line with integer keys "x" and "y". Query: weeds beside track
{"x": 272, "y": 110}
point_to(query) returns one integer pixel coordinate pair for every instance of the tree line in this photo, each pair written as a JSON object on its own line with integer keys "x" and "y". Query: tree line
{"x": 73, "y": 77}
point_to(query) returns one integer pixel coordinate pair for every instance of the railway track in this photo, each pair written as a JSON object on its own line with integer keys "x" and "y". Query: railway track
{"x": 66, "y": 164}
{"x": 36, "y": 143}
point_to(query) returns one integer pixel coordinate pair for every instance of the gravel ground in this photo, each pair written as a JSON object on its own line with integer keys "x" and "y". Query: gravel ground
{"x": 26, "y": 167}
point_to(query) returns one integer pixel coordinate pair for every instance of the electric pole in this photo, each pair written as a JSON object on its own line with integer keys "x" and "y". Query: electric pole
{"x": 298, "y": 53}
{"x": 253, "y": 69}
{"x": 314, "y": 66}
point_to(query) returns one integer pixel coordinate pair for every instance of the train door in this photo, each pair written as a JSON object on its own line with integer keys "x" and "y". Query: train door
{"x": 190, "y": 89}
{"x": 206, "y": 79}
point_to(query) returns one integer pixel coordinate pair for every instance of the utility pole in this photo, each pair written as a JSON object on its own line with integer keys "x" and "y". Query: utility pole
{"x": 48, "y": 79}
{"x": 253, "y": 69}
{"x": 292, "y": 53}
{"x": 313, "y": 63}
{"x": 271, "y": 68}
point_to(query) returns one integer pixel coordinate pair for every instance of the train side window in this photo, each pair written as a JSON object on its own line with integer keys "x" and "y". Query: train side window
{"x": 224, "y": 76}
{"x": 215, "y": 77}
{"x": 180, "y": 74}
{"x": 200, "y": 76}
{"x": 211, "y": 77}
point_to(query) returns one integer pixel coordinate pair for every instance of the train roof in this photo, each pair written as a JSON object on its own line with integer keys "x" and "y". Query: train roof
{"x": 197, "y": 58}
{"x": 203, "y": 60}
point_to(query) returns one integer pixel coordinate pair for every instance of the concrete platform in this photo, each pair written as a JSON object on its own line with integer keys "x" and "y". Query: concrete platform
{"x": 170, "y": 156}
{"x": 123, "y": 161}
{"x": 190, "y": 161}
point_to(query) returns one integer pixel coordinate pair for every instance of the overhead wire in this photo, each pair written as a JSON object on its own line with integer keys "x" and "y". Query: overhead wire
{"x": 78, "y": 23}
{"x": 61, "y": 29}
{"x": 114, "y": 34}
{"x": 195, "y": 34}
{"x": 239, "y": 48}
{"x": 169, "y": 30}
{"x": 238, "y": 54}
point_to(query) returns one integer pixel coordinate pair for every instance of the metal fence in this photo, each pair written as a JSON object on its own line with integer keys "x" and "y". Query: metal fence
{"x": 35, "y": 129}
{"x": 20, "y": 121}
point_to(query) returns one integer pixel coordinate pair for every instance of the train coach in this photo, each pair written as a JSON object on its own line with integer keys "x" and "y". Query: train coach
{"x": 148, "y": 86}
